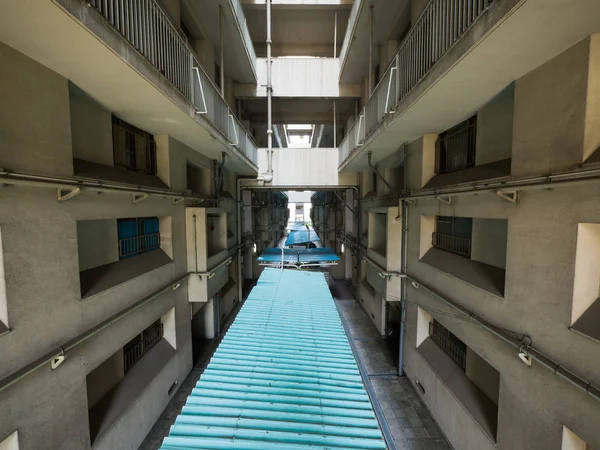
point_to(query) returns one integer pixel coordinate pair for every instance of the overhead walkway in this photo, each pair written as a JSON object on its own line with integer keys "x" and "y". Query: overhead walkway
{"x": 284, "y": 377}
{"x": 298, "y": 258}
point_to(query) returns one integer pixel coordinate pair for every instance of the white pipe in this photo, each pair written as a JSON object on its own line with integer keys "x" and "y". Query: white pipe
{"x": 371, "y": 31}
{"x": 269, "y": 176}
{"x": 335, "y": 20}
{"x": 222, "y": 45}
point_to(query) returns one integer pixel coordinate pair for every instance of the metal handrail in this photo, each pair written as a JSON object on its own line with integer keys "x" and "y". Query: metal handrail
{"x": 138, "y": 244}
{"x": 439, "y": 27}
{"x": 148, "y": 29}
{"x": 453, "y": 244}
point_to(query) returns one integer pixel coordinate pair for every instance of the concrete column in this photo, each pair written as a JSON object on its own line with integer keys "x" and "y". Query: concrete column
{"x": 222, "y": 48}
{"x": 388, "y": 52}
{"x": 416, "y": 8}
{"x": 173, "y": 9}
{"x": 205, "y": 52}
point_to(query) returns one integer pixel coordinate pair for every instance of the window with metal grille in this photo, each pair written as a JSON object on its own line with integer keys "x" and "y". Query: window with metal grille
{"x": 456, "y": 147}
{"x": 137, "y": 236}
{"x": 453, "y": 234}
{"x": 133, "y": 148}
{"x": 141, "y": 344}
{"x": 452, "y": 346}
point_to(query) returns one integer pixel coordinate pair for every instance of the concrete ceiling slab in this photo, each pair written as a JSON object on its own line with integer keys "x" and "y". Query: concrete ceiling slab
{"x": 205, "y": 15}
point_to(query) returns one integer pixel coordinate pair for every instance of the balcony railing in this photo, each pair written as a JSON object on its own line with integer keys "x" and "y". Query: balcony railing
{"x": 451, "y": 345}
{"x": 441, "y": 24}
{"x": 241, "y": 18}
{"x": 356, "y": 6}
{"x": 138, "y": 244}
{"x": 148, "y": 339}
{"x": 453, "y": 244}
{"x": 144, "y": 24}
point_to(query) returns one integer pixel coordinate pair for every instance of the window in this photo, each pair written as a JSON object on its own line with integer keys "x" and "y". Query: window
{"x": 138, "y": 235}
{"x": 139, "y": 345}
{"x": 452, "y": 346}
{"x": 453, "y": 234}
{"x": 456, "y": 147}
{"x": 133, "y": 148}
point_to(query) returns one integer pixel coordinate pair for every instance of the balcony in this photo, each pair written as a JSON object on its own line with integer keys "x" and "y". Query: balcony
{"x": 432, "y": 84}
{"x": 133, "y": 61}
{"x": 438, "y": 28}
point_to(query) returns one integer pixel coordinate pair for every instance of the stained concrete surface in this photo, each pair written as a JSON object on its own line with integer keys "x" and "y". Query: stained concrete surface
{"x": 409, "y": 421}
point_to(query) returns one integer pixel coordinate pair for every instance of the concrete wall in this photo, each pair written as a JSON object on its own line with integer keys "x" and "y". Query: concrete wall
{"x": 41, "y": 264}
{"x": 305, "y": 167}
{"x": 488, "y": 242}
{"x": 299, "y": 77}
{"x": 91, "y": 128}
{"x": 550, "y": 112}
{"x": 483, "y": 375}
{"x": 495, "y": 128}
{"x": 97, "y": 243}
{"x": 34, "y": 115}
{"x": 104, "y": 377}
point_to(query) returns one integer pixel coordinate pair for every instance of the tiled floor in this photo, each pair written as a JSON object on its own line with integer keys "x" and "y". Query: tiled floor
{"x": 409, "y": 422}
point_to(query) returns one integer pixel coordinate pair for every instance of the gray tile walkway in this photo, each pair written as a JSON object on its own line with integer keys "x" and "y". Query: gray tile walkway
{"x": 409, "y": 422}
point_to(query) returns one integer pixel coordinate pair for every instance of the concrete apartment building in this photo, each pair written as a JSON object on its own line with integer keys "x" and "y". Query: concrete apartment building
{"x": 452, "y": 149}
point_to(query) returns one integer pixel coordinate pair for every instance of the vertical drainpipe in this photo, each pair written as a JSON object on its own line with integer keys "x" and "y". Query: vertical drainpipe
{"x": 269, "y": 176}
{"x": 371, "y": 32}
{"x": 222, "y": 45}
{"x": 358, "y": 236}
{"x": 335, "y": 18}
{"x": 403, "y": 255}
{"x": 334, "y": 125}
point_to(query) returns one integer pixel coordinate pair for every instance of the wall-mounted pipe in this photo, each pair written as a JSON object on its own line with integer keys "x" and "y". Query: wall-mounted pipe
{"x": 45, "y": 181}
{"x": 45, "y": 360}
{"x": 211, "y": 273}
{"x": 269, "y": 176}
{"x": 220, "y": 179}
{"x": 381, "y": 177}
{"x": 403, "y": 267}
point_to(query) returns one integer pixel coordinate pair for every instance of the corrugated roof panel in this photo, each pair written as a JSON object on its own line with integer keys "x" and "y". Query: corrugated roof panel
{"x": 302, "y": 237}
{"x": 283, "y": 377}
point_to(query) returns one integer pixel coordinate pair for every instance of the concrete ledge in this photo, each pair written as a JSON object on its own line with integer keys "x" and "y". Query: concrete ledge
{"x": 497, "y": 169}
{"x": 95, "y": 171}
{"x": 476, "y": 403}
{"x": 112, "y": 406}
{"x": 478, "y": 274}
{"x": 587, "y": 324}
{"x": 99, "y": 279}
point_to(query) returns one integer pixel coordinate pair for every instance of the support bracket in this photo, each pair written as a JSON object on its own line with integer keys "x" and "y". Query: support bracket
{"x": 139, "y": 198}
{"x": 179, "y": 200}
{"x": 411, "y": 201}
{"x": 445, "y": 199}
{"x": 509, "y": 196}
{"x": 66, "y": 194}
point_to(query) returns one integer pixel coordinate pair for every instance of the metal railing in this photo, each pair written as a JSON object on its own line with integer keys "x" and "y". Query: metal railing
{"x": 449, "y": 343}
{"x": 147, "y": 339}
{"x": 441, "y": 24}
{"x": 457, "y": 147}
{"x": 356, "y": 6}
{"x": 144, "y": 24}
{"x": 453, "y": 244}
{"x": 241, "y": 19}
{"x": 138, "y": 244}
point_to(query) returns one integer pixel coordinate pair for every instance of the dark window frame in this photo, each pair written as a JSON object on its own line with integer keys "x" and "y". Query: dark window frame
{"x": 133, "y": 149}
{"x": 449, "y": 343}
{"x": 456, "y": 147}
{"x": 141, "y": 344}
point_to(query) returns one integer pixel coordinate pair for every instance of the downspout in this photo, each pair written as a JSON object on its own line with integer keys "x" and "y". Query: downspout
{"x": 403, "y": 256}
{"x": 220, "y": 179}
{"x": 381, "y": 177}
{"x": 358, "y": 237}
{"x": 240, "y": 203}
{"x": 269, "y": 176}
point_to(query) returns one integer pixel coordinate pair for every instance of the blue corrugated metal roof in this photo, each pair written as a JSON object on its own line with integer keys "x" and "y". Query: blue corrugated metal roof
{"x": 296, "y": 226}
{"x": 284, "y": 377}
{"x": 301, "y": 237}
{"x": 298, "y": 255}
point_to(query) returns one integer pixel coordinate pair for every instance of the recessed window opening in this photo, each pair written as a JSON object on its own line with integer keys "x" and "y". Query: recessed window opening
{"x": 453, "y": 234}
{"x": 137, "y": 236}
{"x": 457, "y": 146}
{"x": 134, "y": 149}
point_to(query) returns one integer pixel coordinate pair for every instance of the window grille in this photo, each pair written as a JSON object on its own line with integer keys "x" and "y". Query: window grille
{"x": 452, "y": 346}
